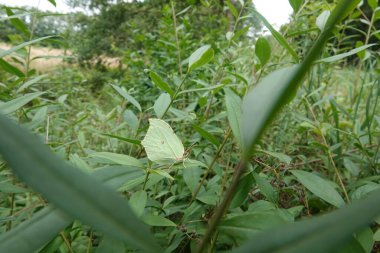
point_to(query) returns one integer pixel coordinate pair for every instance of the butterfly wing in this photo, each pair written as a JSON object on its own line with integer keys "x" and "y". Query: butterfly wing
{"x": 161, "y": 144}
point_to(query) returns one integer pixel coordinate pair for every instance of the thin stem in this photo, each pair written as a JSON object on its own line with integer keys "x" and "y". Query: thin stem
{"x": 209, "y": 169}
{"x": 176, "y": 40}
{"x": 328, "y": 152}
{"x": 175, "y": 94}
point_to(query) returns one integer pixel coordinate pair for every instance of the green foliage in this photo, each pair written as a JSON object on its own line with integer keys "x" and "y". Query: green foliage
{"x": 203, "y": 137}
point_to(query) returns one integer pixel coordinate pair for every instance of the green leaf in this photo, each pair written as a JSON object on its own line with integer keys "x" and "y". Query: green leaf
{"x": 373, "y": 4}
{"x": 296, "y": 5}
{"x": 128, "y": 97}
{"x": 118, "y": 159}
{"x": 81, "y": 196}
{"x": 160, "y": 83}
{"x": 11, "y": 69}
{"x": 263, "y": 50}
{"x": 205, "y": 134}
{"x": 53, "y": 2}
{"x": 242, "y": 226}
{"x": 280, "y": 156}
{"x": 280, "y": 39}
{"x": 365, "y": 238}
{"x": 245, "y": 186}
{"x": 317, "y": 235}
{"x": 234, "y": 114}
{"x": 319, "y": 186}
{"x": 108, "y": 245}
{"x": 30, "y": 83}
{"x": 161, "y": 104}
{"x": 133, "y": 141}
{"x": 32, "y": 234}
{"x": 339, "y": 57}
{"x": 17, "y": 103}
{"x": 14, "y": 49}
{"x": 266, "y": 188}
{"x": 17, "y": 23}
{"x": 263, "y": 100}
{"x": 200, "y": 57}
{"x": 138, "y": 201}
{"x": 157, "y": 221}
{"x": 232, "y": 8}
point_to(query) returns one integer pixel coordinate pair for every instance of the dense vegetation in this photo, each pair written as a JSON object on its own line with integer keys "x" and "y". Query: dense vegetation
{"x": 276, "y": 135}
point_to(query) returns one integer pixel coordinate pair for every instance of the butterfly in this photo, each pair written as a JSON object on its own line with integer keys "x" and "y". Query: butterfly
{"x": 161, "y": 144}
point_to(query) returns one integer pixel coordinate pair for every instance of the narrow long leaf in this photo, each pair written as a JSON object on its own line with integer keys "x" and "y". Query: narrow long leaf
{"x": 14, "y": 49}
{"x": 70, "y": 189}
{"x": 128, "y": 97}
{"x": 17, "y": 103}
{"x": 339, "y": 57}
{"x": 34, "y": 233}
{"x": 318, "y": 235}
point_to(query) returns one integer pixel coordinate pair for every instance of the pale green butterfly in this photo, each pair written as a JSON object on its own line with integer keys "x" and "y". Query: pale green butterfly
{"x": 161, "y": 144}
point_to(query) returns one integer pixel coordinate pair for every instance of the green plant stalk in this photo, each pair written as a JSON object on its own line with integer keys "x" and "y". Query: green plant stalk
{"x": 329, "y": 154}
{"x": 221, "y": 146}
{"x": 176, "y": 94}
{"x": 338, "y": 14}
{"x": 176, "y": 39}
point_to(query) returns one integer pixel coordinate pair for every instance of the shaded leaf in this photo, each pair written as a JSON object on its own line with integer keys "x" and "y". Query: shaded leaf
{"x": 160, "y": 83}
{"x": 161, "y": 104}
{"x": 263, "y": 50}
{"x": 157, "y": 221}
{"x": 98, "y": 206}
{"x": 234, "y": 114}
{"x": 200, "y": 57}
{"x": 17, "y": 103}
{"x": 319, "y": 186}
{"x": 128, "y": 97}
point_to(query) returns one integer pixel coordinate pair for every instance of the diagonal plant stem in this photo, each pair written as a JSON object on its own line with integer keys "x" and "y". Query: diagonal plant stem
{"x": 290, "y": 86}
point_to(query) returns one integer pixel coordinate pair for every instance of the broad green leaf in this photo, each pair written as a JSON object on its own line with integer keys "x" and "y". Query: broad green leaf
{"x": 161, "y": 104}
{"x": 192, "y": 176}
{"x": 157, "y": 221}
{"x": 376, "y": 236}
{"x": 160, "y": 83}
{"x": 17, "y": 23}
{"x": 128, "y": 97}
{"x": 317, "y": 235}
{"x": 319, "y": 186}
{"x": 232, "y": 8}
{"x": 108, "y": 245}
{"x": 14, "y": 49}
{"x": 373, "y": 4}
{"x": 32, "y": 234}
{"x": 131, "y": 119}
{"x": 53, "y": 2}
{"x": 30, "y": 83}
{"x": 322, "y": 20}
{"x": 296, "y": 5}
{"x": 11, "y": 69}
{"x": 244, "y": 225}
{"x": 119, "y": 159}
{"x": 200, "y": 57}
{"x": 245, "y": 186}
{"x": 263, "y": 100}
{"x": 35, "y": 232}
{"x": 365, "y": 238}
{"x": 17, "y": 103}
{"x": 280, "y": 156}
{"x": 280, "y": 39}
{"x": 205, "y": 134}
{"x": 138, "y": 201}
{"x": 263, "y": 50}
{"x": 266, "y": 188}
{"x": 339, "y": 57}
{"x": 97, "y": 206}
{"x": 234, "y": 114}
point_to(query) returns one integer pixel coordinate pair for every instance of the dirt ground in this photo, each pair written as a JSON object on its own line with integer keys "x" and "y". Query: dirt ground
{"x": 50, "y": 58}
{"x": 45, "y": 59}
